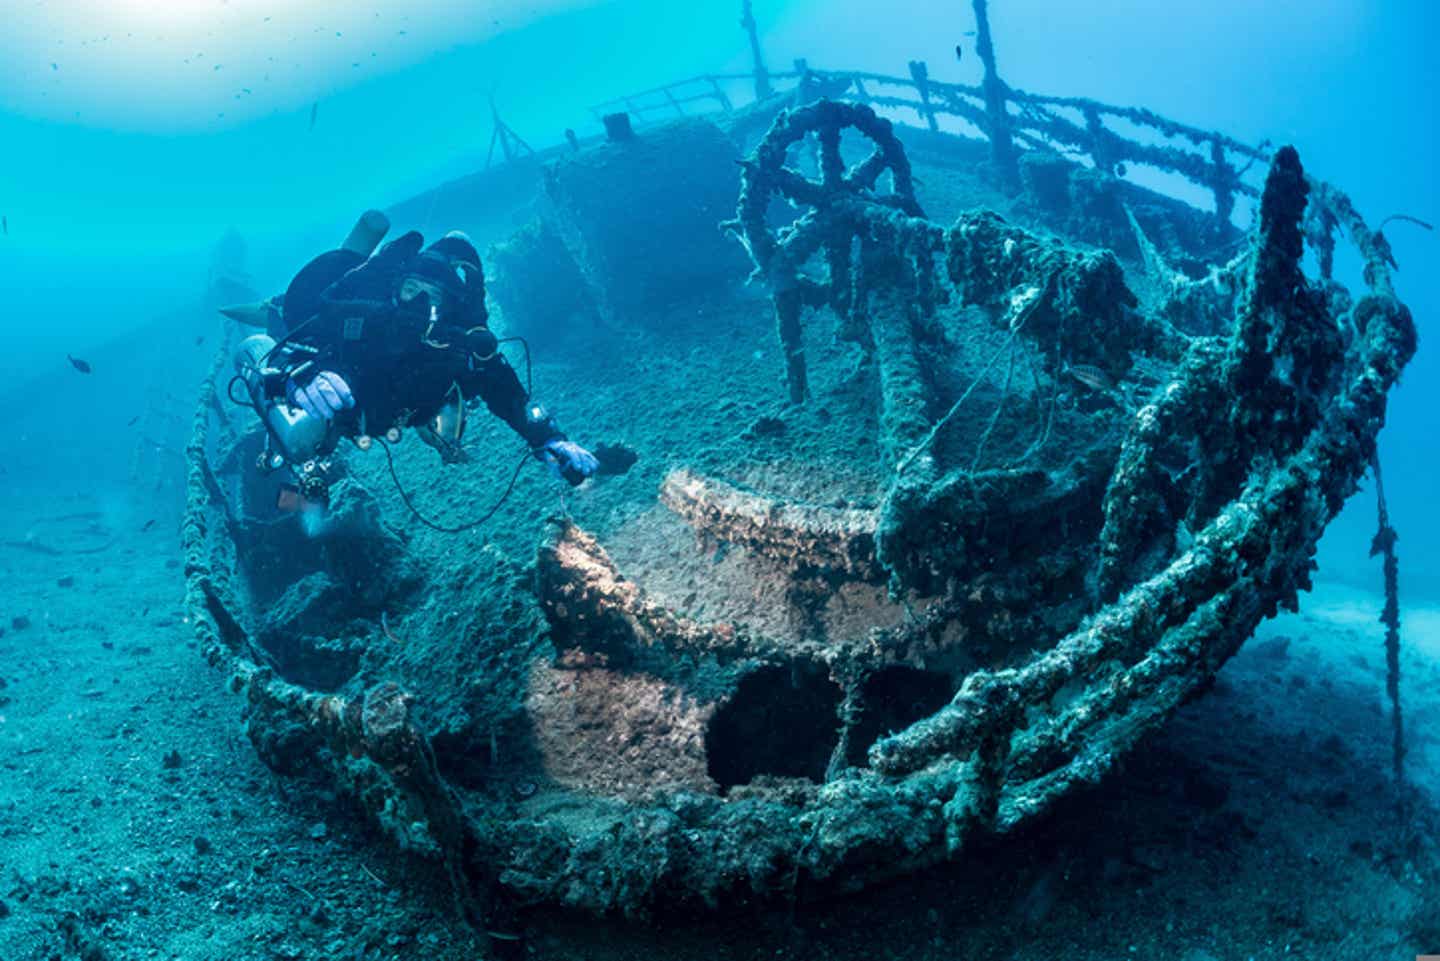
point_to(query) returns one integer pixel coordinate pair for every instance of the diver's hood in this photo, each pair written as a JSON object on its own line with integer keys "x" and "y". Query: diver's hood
{"x": 452, "y": 266}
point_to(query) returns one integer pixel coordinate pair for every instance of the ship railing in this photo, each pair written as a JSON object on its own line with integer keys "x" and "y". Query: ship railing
{"x": 1105, "y": 136}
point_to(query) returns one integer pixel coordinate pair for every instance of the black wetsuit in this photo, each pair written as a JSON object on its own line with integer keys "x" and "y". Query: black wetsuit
{"x": 402, "y": 369}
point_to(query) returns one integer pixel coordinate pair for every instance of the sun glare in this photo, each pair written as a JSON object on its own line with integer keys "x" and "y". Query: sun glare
{"x": 153, "y": 64}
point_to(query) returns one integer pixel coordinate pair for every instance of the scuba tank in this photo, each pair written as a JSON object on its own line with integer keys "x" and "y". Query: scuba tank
{"x": 296, "y": 438}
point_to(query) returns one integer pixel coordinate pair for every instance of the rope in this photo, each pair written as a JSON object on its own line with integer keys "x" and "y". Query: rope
{"x": 1046, "y": 422}
{"x": 1384, "y": 544}
{"x": 929, "y": 438}
{"x": 1017, "y": 325}
{"x": 1405, "y": 218}
{"x": 999, "y": 409}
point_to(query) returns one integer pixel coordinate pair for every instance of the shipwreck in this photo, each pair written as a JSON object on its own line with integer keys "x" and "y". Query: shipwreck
{"x": 935, "y": 518}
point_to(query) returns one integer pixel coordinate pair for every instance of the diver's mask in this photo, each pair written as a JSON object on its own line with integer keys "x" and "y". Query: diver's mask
{"x": 451, "y": 285}
{"x": 414, "y": 288}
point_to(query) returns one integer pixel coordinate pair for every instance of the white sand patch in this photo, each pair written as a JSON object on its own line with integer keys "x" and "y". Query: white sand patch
{"x": 1358, "y": 611}
{"x": 1339, "y": 628}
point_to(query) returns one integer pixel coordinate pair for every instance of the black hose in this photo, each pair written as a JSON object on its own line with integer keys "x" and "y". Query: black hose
{"x": 485, "y": 519}
{"x": 285, "y": 340}
{"x": 529, "y": 380}
{"x": 230, "y": 392}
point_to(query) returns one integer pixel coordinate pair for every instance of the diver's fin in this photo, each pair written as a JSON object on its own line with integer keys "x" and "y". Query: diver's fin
{"x": 259, "y": 314}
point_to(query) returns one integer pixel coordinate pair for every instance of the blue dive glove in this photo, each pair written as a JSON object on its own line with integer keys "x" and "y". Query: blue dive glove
{"x": 569, "y": 460}
{"x": 325, "y": 396}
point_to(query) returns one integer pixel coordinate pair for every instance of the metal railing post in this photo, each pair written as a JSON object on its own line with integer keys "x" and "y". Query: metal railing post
{"x": 762, "y": 76}
{"x": 921, "y": 75}
{"x": 721, "y": 95}
{"x": 1224, "y": 183}
{"x": 1002, "y": 147}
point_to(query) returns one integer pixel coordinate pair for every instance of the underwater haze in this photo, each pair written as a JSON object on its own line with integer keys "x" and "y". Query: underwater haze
{"x": 137, "y": 134}
{"x": 160, "y": 159}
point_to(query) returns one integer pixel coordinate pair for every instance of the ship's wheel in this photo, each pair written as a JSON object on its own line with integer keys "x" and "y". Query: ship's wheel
{"x": 835, "y": 206}
{"x": 835, "y": 191}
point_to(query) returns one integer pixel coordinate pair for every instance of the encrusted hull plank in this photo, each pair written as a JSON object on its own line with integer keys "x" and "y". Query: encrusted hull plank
{"x": 593, "y": 607}
{"x": 820, "y": 540}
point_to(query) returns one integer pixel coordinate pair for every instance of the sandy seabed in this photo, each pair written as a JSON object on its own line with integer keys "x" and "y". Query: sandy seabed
{"x": 136, "y": 821}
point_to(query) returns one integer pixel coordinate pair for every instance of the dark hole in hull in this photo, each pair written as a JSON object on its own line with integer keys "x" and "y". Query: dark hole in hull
{"x": 780, "y": 722}
{"x": 463, "y": 759}
{"x": 312, "y": 662}
{"x": 893, "y": 698}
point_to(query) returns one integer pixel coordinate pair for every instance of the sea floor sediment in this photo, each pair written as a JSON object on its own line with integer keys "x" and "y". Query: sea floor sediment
{"x": 136, "y": 820}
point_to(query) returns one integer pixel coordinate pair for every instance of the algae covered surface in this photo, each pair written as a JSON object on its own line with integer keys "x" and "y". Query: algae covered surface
{"x": 1258, "y": 824}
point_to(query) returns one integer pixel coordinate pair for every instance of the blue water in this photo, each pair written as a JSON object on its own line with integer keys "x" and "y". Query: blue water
{"x": 134, "y": 134}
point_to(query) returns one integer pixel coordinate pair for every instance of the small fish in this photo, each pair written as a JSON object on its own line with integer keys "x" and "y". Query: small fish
{"x": 1091, "y": 376}
{"x": 79, "y": 364}
{"x": 147, "y": 525}
{"x": 133, "y": 421}
{"x": 314, "y": 112}
{"x": 959, "y": 52}
{"x": 199, "y": 340}
{"x": 5, "y": 223}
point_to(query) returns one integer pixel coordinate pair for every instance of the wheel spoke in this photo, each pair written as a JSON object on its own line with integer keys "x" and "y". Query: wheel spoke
{"x": 865, "y": 176}
{"x": 832, "y": 165}
{"x": 792, "y": 186}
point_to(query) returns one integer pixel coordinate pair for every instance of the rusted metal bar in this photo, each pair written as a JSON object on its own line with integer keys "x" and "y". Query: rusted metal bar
{"x": 593, "y": 607}
{"x": 763, "y": 87}
{"x": 1059, "y": 130}
{"x": 1002, "y": 148}
{"x": 1102, "y": 150}
{"x": 720, "y": 95}
{"x": 1141, "y": 117}
{"x": 935, "y": 85}
{"x": 921, "y": 75}
{"x": 837, "y": 541}
{"x": 725, "y": 101}
{"x": 674, "y": 103}
{"x": 1224, "y": 183}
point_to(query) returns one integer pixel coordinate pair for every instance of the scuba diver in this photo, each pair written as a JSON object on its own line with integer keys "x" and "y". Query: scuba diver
{"x": 363, "y": 346}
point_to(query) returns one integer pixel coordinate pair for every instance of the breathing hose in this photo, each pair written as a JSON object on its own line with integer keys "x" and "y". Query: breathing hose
{"x": 434, "y": 526}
